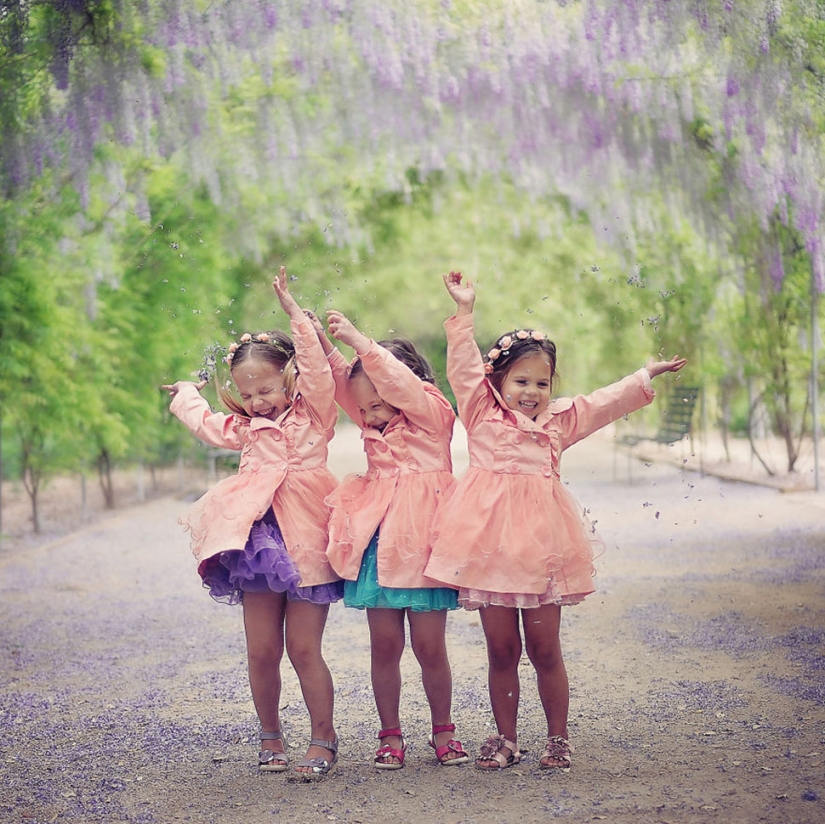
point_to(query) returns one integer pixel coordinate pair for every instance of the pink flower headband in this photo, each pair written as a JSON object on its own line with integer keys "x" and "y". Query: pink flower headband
{"x": 504, "y": 343}
{"x": 261, "y": 337}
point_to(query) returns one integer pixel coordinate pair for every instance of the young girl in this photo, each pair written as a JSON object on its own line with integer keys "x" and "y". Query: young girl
{"x": 380, "y": 526}
{"x": 510, "y": 536}
{"x": 260, "y": 537}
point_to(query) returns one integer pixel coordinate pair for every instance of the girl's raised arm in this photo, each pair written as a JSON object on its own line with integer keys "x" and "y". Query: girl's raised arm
{"x": 464, "y": 294}
{"x": 314, "y": 382}
{"x": 343, "y": 329}
{"x": 174, "y": 388}
{"x": 339, "y": 324}
{"x": 395, "y": 382}
{"x": 288, "y": 303}
{"x": 655, "y": 367}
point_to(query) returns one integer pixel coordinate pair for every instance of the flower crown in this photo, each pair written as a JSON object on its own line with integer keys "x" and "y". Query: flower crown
{"x": 504, "y": 343}
{"x": 261, "y": 337}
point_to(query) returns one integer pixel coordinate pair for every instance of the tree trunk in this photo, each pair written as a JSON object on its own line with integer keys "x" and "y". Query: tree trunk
{"x": 104, "y": 473}
{"x": 1, "y": 475}
{"x": 31, "y": 482}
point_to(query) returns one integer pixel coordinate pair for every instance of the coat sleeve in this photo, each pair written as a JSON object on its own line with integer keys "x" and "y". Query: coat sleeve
{"x": 340, "y": 373}
{"x": 400, "y": 387}
{"x": 213, "y": 428}
{"x": 465, "y": 370}
{"x": 585, "y": 414}
{"x": 315, "y": 383}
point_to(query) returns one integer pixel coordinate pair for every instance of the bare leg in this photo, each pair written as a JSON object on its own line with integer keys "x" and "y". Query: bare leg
{"x": 304, "y": 632}
{"x": 429, "y": 645}
{"x": 541, "y": 636}
{"x": 387, "y": 639}
{"x": 501, "y": 630}
{"x": 263, "y": 614}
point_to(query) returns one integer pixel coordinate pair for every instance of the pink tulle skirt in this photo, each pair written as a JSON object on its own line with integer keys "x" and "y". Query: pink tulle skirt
{"x": 477, "y": 598}
{"x": 263, "y": 565}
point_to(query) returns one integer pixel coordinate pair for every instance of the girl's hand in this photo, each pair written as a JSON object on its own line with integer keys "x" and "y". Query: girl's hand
{"x": 326, "y": 344}
{"x": 464, "y": 294}
{"x": 342, "y": 328}
{"x": 174, "y": 388}
{"x": 288, "y": 303}
{"x": 655, "y": 367}
{"x": 315, "y": 321}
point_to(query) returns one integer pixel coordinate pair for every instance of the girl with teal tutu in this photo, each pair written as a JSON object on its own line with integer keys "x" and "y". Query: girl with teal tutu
{"x": 380, "y": 526}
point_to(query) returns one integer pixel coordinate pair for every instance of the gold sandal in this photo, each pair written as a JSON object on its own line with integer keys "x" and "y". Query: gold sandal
{"x": 491, "y": 750}
{"x": 557, "y": 749}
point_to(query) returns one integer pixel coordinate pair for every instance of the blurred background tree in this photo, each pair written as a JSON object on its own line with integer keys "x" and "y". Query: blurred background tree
{"x": 634, "y": 177}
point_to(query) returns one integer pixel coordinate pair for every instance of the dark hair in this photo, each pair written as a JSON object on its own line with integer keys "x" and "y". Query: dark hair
{"x": 511, "y": 347}
{"x": 405, "y": 351}
{"x": 275, "y": 348}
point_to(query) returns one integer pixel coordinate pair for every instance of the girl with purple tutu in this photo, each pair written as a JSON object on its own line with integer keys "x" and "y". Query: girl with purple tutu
{"x": 260, "y": 537}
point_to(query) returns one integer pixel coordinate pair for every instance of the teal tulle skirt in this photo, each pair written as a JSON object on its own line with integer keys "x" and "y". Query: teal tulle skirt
{"x": 367, "y": 593}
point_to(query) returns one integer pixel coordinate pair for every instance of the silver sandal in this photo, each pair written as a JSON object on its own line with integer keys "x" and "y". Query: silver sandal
{"x": 319, "y": 767}
{"x": 268, "y": 760}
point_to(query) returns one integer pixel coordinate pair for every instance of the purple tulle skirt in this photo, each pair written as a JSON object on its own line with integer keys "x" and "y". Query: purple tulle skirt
{"x": 263, "y": 565}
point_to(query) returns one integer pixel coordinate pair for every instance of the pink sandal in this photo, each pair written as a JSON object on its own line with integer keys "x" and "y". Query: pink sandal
{"x": 452, "y": 747}
{"x": 385, "y": 752}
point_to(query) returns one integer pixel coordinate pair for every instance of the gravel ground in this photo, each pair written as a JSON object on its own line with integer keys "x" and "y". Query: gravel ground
{"x": 697, "y": 676}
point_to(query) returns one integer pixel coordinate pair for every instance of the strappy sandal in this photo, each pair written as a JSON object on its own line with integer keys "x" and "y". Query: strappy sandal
{"x": 269, "y": 760}
{"x": 318, "y": 767}
{"x": 385, "y": 752}
{"x": 451, "y": 748}
{"x": 557, "y": 749}
{"x": 491, "y": 750}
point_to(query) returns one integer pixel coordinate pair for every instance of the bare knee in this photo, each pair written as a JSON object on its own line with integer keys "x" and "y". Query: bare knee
{"x": 504, "y": 655}
{"x": 264, "y": 655}
{"x": 545, "y": 657}
{"x": 303, "y": 653}
{"x": 430, "y": 652}
{"x": 386, "y": 648}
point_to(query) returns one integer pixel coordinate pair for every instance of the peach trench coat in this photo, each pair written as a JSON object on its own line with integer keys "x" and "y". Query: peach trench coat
{"x": 409, "y": 470}
{"x": 283, "y": 465}
{"x": 509, "y": 525}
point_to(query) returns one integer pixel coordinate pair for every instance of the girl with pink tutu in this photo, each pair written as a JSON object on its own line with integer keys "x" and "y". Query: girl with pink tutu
{"x": 379, "y": 535}
{"x": 509, "y": 536}
{"x": 260, "y": 537}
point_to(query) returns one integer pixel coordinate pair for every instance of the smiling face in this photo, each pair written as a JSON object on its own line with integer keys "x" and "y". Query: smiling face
{"x": 527, "y": 384}
{"x": 261, "y": 387}
{"x": 374, "y": 411}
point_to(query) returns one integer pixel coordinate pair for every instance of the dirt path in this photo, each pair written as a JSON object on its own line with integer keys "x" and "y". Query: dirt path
{"x": 697, "y": 677}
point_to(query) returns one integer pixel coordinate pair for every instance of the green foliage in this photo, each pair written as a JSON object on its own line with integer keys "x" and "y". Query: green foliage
{"x": 39, "y": 390}
{"x": 99, "y": 305}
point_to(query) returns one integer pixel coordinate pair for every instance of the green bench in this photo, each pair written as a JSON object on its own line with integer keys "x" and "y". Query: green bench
{"x": 675, "y": 424}
{"x": 677, "y": 418}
